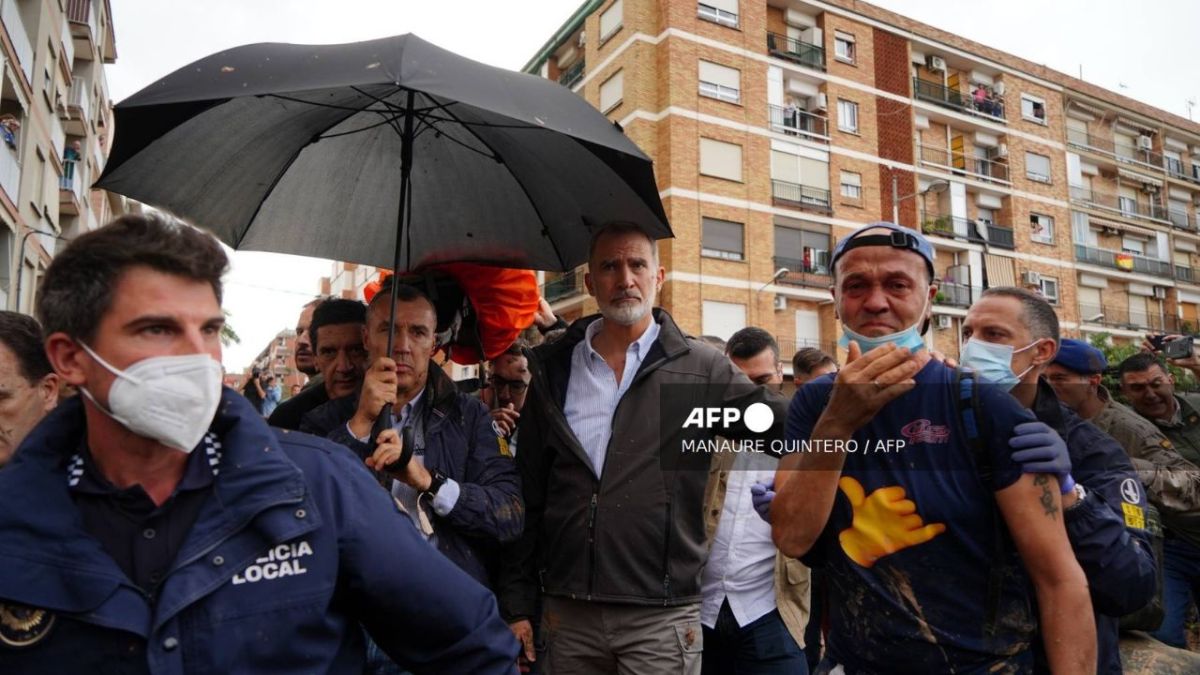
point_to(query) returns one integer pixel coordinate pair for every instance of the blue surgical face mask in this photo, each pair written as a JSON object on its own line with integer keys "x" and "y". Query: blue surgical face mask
{"x": 993, "y": 362}
{"x": 909, "y": 338}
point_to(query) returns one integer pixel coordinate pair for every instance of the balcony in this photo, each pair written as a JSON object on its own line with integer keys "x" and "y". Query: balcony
{"x": 964, "y": 165}
{"x": 1184, "y": 273}
{"x": 79, "y": 109}
{"x": 796, "y": 51}
{"x": 789, "y": 346}
{"x": 1174, "y": 168}
{"x": 571, "y": 76}
{"x": 805, "y": 271}
{"x": 1121, "y": 260}
{"x": 1080, "y": 138}
{"x": 1129, "y": 208}
{"x": 797, "y": 122}
{"x": 10, "y": 172}
{"x": 798, "y": 196}
{"x": 70, "y": 189}
{"x": 991, "y": 108}
{"x": 565, "y": 286}
{"x": 10, "y": 15}
{"x": 954, "y": 294}
{"x": 82, "y": 17}
{"x": 1121, "y": 152}
{"x": 1122, "y": 317}
{"x": 976, "y": 232}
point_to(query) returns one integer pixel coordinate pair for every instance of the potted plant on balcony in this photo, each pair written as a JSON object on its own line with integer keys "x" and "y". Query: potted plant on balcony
{"x": 939, "y": 225}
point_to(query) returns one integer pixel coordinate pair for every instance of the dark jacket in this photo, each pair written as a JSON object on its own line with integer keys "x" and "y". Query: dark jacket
{"x": 289, "y": 413}
{"x": 635, "y": 534}
{"x": 461, "y": 443}
{"x": 280, "y": 500}
{"x": 1112, "y": 548}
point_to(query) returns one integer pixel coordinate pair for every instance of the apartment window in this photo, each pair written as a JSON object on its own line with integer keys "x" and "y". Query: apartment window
{"x": 1173, "y": 162}
{"x": 1037, "y": 167}
{"x": 1033, "y": 109}
{"x": 802, "y": 250}
{"x": 843, "y": 47}
{"x": 720, "y": 82}
{"x": 724, "y": 12}
{"x": 611, "y": 91}
{"x": 1049, "y": 289}
{"x": 722, "y": 239}
{"x": 851, "y": 185}
{"x": 1133, "y": 245}
{"x": 1127, "y": 201}
{"x": 722, "y": 319}
{"x": 610, "y": 20}
{"x": 1041, "y": 228}
{"x": 848, "y": 116}
{"x": 1090, "y": 305}
{"x": 720, "y": 159}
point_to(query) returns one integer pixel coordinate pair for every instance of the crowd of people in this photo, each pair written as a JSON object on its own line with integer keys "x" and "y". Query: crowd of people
{"x": 903, "y": 512}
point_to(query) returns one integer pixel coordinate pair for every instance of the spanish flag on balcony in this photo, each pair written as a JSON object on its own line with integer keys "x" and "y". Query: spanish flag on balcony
{"x": 1125, "y": 262}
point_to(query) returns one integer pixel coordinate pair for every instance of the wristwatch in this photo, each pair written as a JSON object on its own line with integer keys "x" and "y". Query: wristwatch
{"x": 1080, "y": 494}
{"x": 436, "y": 481}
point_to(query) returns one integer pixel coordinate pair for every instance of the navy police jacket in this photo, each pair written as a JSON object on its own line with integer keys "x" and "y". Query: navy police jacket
{"x": 1107, "y": 529}
{"x": 294, "y": 552}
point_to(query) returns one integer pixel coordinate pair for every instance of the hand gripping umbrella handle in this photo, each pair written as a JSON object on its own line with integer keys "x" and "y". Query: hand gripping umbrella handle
{"x": 386, "y": 421}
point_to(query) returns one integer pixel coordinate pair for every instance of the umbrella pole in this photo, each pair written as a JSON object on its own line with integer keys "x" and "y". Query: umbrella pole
{"x": 386, "y": 419}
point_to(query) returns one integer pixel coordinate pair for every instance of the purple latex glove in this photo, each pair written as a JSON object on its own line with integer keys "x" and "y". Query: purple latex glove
{"x": 1039, "y": 449}
{"x": 761, "y": 496}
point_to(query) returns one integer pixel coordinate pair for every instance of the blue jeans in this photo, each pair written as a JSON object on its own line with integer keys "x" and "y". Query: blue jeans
{"x": 1181, "y": 587}
{"x": 762, "y": 647}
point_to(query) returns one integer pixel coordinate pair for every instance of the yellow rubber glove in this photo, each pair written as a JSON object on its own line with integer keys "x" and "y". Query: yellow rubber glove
{"x": 884, "y": 523}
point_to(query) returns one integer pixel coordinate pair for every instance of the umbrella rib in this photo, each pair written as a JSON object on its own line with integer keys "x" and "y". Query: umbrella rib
{"x": 331, "y": 106}
{"x": 532, "y": 204}
{"x": 386, "y": 120}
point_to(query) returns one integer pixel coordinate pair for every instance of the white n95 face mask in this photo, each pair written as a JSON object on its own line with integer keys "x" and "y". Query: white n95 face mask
{"x": 170, "y": 399}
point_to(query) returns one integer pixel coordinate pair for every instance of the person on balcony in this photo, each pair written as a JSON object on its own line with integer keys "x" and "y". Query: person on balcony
{"x": 71, "y": 157}
{"x": 980, "y": 96}
{"x": 9, "y": 126}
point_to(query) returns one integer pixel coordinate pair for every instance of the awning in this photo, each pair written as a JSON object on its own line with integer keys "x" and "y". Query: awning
{"x": 999, "y": 271}
{"x": 1140, "y": 178}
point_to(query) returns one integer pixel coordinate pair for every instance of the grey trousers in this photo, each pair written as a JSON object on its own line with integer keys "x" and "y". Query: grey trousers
{"x": 585, "y": 637}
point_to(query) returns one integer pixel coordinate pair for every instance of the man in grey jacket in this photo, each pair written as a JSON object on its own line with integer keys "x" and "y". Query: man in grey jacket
{"x": 614, "y": 536}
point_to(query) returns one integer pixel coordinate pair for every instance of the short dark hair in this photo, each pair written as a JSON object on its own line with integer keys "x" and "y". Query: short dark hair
{"x": 77, "y": 289}
{"x": 1140, "y": 362}
{"x": 1036, "y": 312}
{"x": 23, "y": 337}
{"x": 809, "y": 359}
{"x": 404, "y": 293}
{"x": 750, "y": 342}
{"x": 333, "y": 312}
{"x": 618, "y": 228}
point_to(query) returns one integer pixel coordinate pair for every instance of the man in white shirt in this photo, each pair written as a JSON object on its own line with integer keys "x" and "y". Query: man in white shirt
{"x": 755, "y": 602}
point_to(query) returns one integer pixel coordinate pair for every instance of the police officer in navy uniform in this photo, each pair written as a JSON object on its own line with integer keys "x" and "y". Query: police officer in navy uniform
{"x": 156, "y": 524}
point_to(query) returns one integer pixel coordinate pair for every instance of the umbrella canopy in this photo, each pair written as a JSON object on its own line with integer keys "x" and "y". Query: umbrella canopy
{"x": 299, "y": 148}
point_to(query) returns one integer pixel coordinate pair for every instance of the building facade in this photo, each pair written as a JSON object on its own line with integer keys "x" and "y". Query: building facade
{"x": 55, "y": 133}
{"x": 777, "y": 126}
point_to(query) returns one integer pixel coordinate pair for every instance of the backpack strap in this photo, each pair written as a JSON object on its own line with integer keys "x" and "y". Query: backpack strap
{"x": 973, "y": 418}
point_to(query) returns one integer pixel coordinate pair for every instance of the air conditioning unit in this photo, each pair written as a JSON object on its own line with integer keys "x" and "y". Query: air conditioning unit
{"x": 822, "y": 102}
{"x": 780, "y": 303}
{"x": 1145, "y": 142}
{"x": 1001, "y": 151}
{"x": 935, "y": 63}
{"x": 942, "y": 321}
{"x": 1160, "y": 292}
{"x": 1031, "y": 278}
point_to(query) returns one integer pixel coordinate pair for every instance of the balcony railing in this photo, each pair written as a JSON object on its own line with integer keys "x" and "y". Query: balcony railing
{"x": 1130, "y": 208}
{"x": 957, "y": 295}
{"x": 796, "y": 51}
{"x": 924, "y": 90}
{"x": 1184, "y": 273}
{"x": 1174, "y": 168}
{"x": 10, "y": 172}
{"x": 571, "y": 76}
{"x": 79, "y": 99}
{"x": 976, "y": 232}
{"x": 801, "y": 196}
{"x": 801, "y": 272}
{"x": 789, "y": 346}
{"x": 963, "y": 164}
{"x": 563, "y": 287}
{"x": 1135, "y": 155}
{"x": 82, "y": 12}
{"x": 797, "y": 122}
{"x": 1120, "y": 260}
{"x": 10, "y": 14}
{"x": 1122, "y": 317}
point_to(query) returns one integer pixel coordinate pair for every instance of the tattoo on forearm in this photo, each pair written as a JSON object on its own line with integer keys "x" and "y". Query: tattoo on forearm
{"x": 1047, "y": 498}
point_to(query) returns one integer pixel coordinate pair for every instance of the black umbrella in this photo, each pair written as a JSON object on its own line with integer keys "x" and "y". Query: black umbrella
{"x": 391, "y": 152}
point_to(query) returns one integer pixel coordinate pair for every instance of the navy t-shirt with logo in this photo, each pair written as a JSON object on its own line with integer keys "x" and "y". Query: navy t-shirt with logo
{"x": 909, "y": 589}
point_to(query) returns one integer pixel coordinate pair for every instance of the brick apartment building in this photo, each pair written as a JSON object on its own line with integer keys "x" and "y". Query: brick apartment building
{"x": 275, "y": 358}
{"x": 776, "y": 127}
{"x": 55, "y": 134}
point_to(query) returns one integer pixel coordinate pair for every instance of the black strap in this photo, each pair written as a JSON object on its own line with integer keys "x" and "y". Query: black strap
{"x": 974, "y": 420}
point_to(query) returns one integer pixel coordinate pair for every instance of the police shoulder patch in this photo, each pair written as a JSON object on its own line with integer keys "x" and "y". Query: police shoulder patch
{"x": 22, "y": 626}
